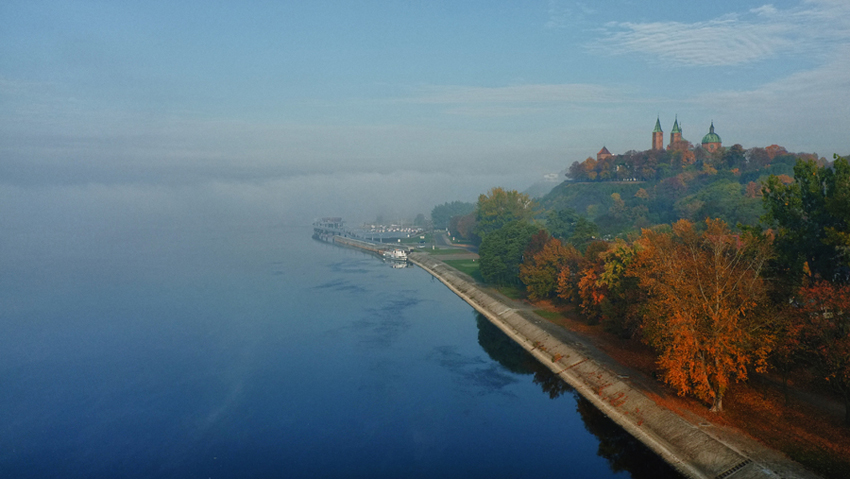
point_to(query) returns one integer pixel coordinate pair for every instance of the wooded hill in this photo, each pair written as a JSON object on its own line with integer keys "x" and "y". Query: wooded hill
{"x": 641, "y": 189}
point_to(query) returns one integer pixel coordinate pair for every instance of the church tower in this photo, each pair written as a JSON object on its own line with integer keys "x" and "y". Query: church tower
{"x": 657, "y": 136}
{"x": 676, "y": 133}
{"x": 711, "y": 141}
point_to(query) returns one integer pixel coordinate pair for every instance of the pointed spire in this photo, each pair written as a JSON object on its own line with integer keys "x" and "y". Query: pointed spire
{"x": 676, "y": 128}
{"x": 711, "y": 129}
{"x": 657, "y": 126}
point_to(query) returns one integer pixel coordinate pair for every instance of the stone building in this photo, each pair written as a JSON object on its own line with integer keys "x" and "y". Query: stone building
{"x": 603, "y": 153}
{"x": 711, "y": 142}
{"x": 657, "y": 136}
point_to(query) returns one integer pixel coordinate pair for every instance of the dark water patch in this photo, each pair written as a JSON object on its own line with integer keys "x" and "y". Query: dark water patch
{"x": 514, "y": 358}
{"x": 472, "y": 372}
{"x": 382, "y": 326}
{"x": 341, "y": 285}
{"x": 623, "y": 452}
{"x": 348, "y": 267}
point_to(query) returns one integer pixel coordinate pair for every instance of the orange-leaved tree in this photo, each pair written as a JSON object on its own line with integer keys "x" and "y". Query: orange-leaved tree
{"x": 540, "y": 272}
{"x": 823, "y": 313}
{"x": 705, "y": 312}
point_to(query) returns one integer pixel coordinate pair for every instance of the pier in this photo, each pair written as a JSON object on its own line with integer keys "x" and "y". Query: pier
{"x": 333, "y": 230}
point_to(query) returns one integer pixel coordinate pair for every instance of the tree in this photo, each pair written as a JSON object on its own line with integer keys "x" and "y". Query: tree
{"x": 584, "y": 233}
{"x": 823, "y": 315}
{"x": 540, "y": 272}
{"x": 464, "y": 227}
{"x": 561, "y": 223}
{"x": 621, "y": 306}
{"x": 704, "y": 314}
{"x": 499, "y": 207}
{"x": 442, "y": 214}
{"x": 812, "y": 221}
{"x": 501, "y": 252}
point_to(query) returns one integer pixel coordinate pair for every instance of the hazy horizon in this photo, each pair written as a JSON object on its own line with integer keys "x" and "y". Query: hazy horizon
{"x": 330, "y": 108}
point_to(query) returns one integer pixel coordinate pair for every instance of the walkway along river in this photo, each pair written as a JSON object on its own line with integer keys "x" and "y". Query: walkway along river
{"x": 698, "y": 450}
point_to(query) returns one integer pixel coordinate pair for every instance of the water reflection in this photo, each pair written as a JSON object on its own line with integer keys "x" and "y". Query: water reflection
{"x": 623, "y": 452}
{"x": 512, "y": 357}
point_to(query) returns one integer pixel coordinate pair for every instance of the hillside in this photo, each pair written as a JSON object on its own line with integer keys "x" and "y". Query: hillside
{"x": 726, "y": 185}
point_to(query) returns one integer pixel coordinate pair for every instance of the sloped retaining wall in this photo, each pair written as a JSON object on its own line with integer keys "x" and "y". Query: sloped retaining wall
{"x": 695, "y": 450}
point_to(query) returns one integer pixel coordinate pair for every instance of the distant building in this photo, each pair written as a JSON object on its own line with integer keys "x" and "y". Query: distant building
{"x": 675, "y": 134}
{"x": 711, "y": 142}
{"x": 603, "y": 153}
{"x": 657, "y": 136}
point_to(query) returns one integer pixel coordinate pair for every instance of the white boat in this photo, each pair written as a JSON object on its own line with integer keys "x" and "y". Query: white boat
{"x": 395, "y": 254}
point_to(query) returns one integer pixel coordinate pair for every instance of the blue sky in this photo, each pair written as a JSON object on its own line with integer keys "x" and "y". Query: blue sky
{"x": 148, "y": 92}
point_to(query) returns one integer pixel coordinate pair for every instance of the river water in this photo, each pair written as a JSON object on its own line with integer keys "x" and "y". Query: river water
{"x": 255, "y": 351}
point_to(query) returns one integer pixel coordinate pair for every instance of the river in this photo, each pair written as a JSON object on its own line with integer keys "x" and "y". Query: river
{"x": 251, "y": 350}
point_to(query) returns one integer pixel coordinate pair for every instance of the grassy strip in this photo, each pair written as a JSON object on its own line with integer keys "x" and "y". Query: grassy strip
{"x": 512, "y": 292}
{"x": 417, "y": 239}
{"x": 445, "y": 251}
{"x": 550, "y": 315}
{"x": 468, "y": 266}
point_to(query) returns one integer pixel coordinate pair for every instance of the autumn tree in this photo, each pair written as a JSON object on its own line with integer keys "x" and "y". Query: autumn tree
{"x": 823, "y": 315}
{"x": 540, "y": 272}
{"x": 703, "y": 312}
{"x": 500, "y": 207}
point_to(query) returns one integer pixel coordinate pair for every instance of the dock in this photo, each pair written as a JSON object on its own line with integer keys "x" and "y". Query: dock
{"x": 333, "y": 230}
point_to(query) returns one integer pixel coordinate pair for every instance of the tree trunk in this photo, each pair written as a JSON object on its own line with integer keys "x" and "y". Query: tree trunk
{"x": 718, "y": 403}
{"x": 847, "y": 409}
{"x": 785, "y": 384}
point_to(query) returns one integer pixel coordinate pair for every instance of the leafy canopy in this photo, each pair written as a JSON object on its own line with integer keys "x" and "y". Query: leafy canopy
{"x": 499, "y": 207}
{"x": 812, "y": 220}
{"x": 703, "y": 312}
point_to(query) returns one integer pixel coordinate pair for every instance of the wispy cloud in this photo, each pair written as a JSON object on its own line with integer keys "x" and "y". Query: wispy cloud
{"x": 823, "y": 91}
{"x": 761, "y": 33}
{"x": 560, "y": 16}
{"x": 546, "y": 93}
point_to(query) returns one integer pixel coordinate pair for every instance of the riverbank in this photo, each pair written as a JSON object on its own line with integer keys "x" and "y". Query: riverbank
{"x": 696, "y": 449}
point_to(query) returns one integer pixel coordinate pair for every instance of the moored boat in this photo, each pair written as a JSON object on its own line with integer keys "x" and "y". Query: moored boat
{"x": 395, "y": 254}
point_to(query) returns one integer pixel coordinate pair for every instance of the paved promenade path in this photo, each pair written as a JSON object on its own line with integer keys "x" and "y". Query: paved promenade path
{"x": 695, "y": 448}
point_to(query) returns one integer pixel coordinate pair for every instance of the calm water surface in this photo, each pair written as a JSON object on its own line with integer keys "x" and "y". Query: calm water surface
{"x": 259, "y": 352}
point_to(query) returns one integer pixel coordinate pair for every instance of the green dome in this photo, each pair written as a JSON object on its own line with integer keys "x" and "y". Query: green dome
{"x": 711, "y": 137}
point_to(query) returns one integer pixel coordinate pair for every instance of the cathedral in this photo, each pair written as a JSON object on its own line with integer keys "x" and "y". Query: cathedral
{"x": 710, "y": 142}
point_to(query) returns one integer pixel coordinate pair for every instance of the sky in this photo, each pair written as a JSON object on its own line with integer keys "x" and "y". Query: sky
{"x": 397, "y": 105}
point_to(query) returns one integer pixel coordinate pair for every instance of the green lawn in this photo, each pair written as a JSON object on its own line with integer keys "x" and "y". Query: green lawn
{"x": 512, "y": 292}
{"x": 468, "y": 266}
{"x": 415, "y": 239}
{"x": 445, "y": 250}
{"x": 550, "y": 315}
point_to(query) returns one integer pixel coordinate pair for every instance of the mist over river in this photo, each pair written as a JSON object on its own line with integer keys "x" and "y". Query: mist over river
{"x": 153, "y": 334}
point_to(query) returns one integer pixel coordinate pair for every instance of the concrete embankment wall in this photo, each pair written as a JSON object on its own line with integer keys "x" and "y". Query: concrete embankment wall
{"x": 697, "y": 450}
{"x": 364, "y": 245}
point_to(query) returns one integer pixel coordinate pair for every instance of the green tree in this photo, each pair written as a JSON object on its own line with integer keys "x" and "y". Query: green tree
{"x": 561, "y": 223}
{"x": 442, "y": 214}
{"x": 501, "y": 252}
{"x": 584, "y": 233}
{"x": 500, "y": 207}
{"x": 811, "y": 218}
